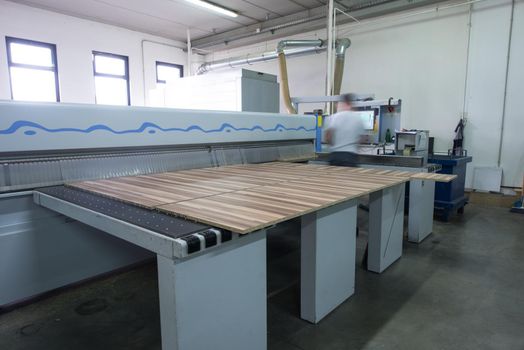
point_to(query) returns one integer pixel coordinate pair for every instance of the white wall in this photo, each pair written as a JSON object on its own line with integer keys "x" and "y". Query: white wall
{"x": 422, "y": 59}
{"x": 75, "y": 40}
{"x": 512, "y": 155}
{"x": 486, "y": 82}
{"x": 422, "y": 62}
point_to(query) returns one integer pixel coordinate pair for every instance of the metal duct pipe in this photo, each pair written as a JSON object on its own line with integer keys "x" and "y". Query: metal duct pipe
{"x": 284, "y": 84}
{"x": 298, "y": 47}
{"x": 284, "y": 44}
{"x": 340, "y": 54}
{"x": 248, "y": 60}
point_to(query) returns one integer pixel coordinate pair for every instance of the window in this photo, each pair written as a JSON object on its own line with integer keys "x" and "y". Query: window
{"x": 33, "y": 70}
{"x": 168, "y": 71}
{"x": 111, "y": 78}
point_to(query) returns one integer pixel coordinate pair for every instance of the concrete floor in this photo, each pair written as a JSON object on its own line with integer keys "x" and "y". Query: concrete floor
{"x": 462, "y": 288}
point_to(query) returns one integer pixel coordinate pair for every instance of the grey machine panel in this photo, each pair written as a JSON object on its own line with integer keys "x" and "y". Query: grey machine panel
{"x": 260, "y": 92}
{"x": 34, "y": 127}
{"x": 41, "y": 250}
{"x": 49, "y": 144}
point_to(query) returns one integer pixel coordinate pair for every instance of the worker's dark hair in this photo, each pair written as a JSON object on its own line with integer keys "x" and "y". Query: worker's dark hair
{"x": 349, "y": 98}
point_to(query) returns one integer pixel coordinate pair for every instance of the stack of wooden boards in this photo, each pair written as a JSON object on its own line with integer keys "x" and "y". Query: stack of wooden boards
{"x": 246, "y": 198}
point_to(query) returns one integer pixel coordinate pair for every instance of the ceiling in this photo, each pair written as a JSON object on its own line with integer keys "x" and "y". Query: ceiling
{"x": 171, "y": 18}
{"x": 258, "y": 20}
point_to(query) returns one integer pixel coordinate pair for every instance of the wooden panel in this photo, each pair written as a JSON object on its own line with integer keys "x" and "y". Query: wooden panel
{"x": 433, "y": 177}
{"x": 245, "y": 198}
{"x": 106, "y": 189}
{"x": 374, "y": 172}
{"x": 370, "y": 173}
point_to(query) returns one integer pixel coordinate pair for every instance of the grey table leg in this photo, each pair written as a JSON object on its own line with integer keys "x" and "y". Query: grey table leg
{"x": 421, "y": 202}
{"x": 216, "y": 300}
{"x": 328, "y": 241}
{"x": 386, "y": 224}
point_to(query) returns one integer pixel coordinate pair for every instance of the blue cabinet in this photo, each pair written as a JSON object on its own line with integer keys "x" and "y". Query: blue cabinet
{"x": 450, "y": 196}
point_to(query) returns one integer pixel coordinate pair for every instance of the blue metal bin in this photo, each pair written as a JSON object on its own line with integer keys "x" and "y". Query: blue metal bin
{"x": 450, "y": 196}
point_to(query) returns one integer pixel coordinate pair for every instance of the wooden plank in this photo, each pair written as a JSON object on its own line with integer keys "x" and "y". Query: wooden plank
{"x": 213, "y": 213}
{"x": 359, "y": 187}
{"x": 311, "y": 197}
{"x": 205, "y": 185}
{"x": 230, "y": 175}
{"x": 269, "y": 204}
{"x": 124, "y": 196}
{"x": 230, "y": 183}
{"x": 182, "y": 190}
{"x": 245, "y": 198}
{"x": 152, "y": 193}
{"x": 287, "y": 199}
{"x": 433, "y": 177}
{"x": 368, "y": 171}
{"x": 210, "y": 217}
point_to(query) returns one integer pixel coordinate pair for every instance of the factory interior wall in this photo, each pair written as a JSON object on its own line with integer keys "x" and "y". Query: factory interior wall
{"x": 512, "y": 151}
{"x": 486, "y": 86}
{"x": 75, "y": 40}
{"x": 423, "y": 59}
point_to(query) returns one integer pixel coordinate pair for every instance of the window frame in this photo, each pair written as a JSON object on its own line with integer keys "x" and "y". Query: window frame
{"x": 166, "y": 64}
{"x": 54, "y": 60}
{"x": 126, "y": 71}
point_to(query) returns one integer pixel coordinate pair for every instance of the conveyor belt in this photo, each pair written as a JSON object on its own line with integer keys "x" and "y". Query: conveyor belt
{"x": 148, "y": 219}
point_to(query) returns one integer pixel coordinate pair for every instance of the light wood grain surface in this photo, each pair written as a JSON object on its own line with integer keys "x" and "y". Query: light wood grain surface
{"x": 246, "y": 198}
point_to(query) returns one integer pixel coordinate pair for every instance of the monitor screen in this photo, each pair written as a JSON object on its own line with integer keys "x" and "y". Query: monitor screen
{"x": 368, "y": 119}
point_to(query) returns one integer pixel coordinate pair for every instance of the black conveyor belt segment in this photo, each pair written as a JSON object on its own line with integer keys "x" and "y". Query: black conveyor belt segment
{"x": 148, "y": 219}
{"x": 210, "y": 237}
{"x": 193, "y": 243}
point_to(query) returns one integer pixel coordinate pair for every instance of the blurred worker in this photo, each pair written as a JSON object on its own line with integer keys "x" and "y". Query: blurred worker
{"x": 344, "y": 133}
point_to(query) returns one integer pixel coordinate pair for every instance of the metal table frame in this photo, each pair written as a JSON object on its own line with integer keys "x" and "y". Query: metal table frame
{"x": 421, "y": 202}
{"x": 204, "y": 296}
{"x": 328, "y": 248}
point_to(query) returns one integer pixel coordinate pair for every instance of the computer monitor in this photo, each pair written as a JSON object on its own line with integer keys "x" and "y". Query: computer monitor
{"x": 368, "y": 119}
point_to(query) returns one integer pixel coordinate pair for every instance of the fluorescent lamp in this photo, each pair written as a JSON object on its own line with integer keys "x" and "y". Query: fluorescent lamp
{"x": 213, "y": 7}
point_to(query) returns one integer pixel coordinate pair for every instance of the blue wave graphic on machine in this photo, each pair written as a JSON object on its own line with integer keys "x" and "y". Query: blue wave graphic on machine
{"x": 149, "y": 126}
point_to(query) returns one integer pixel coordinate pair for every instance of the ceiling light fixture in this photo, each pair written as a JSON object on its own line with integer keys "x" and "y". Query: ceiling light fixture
{"x": 213, "y": 7}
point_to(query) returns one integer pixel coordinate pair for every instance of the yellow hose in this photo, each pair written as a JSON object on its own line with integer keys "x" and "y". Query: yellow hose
{"x": 284, "y": 85}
